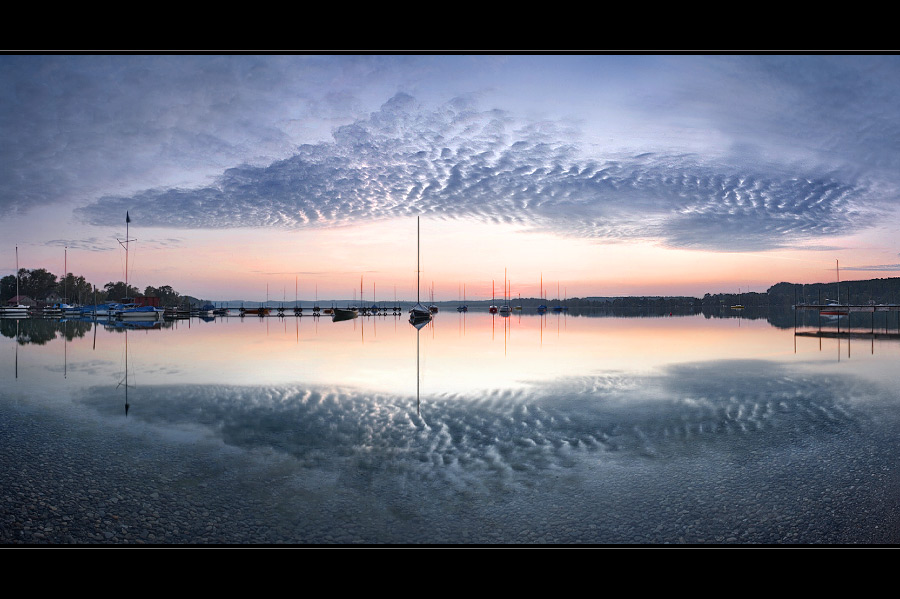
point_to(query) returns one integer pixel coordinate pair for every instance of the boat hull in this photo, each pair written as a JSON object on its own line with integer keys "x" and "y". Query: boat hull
{"x": 344, "y": 314}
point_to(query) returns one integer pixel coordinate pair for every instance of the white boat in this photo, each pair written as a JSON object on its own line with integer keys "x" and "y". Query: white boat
{"x": 136, "y": 312}
{"x": 14, "y": 311}
{"x": 834, "y": 309}
{"x": 18, "y": 311}
{"x": 100, "y": 309}
{"x": 419, "y": 315}
{"x": 837, "y": 309}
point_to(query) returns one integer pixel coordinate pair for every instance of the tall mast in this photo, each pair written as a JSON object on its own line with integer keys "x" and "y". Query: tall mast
{"x": 127, "y": 222}
{"x": 125, "y": 245}
{"x": 418, "y": 260}
{"x": 17, "y": 275}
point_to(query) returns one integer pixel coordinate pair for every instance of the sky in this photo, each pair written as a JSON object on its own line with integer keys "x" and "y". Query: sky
{"x": 280, "y": 176}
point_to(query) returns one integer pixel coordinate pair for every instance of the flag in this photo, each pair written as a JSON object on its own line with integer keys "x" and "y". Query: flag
{"x": 127, "y": 218}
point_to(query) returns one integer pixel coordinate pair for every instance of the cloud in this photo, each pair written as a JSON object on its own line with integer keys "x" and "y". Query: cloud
{"x": 728, "y": 153}
{"x": 90, "y": 244}
{"x": 874, "y": 267}
{"x": 76, "y": 127}
{"x": 460, "y": 162}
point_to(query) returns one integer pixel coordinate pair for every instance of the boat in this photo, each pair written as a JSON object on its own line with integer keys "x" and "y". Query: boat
{"x": 131, "y": 310}
{"x": 134, "y": 311}
{"x": 504, "y": 308}
{"x": 463, "y": 307}
{"x": 99, "y": 309}
{"x": 338, "y": 314}
{"x": 834, "y": 307}
{"x": 739, "y": 306}
{"x": 419, "y": 315}
{"x": 66, "y": 308}
{"x": 542, "y": 307}
{"x": 492, "y": 309}
{"x": 19, "y": 310}
{"x": 433, "y": 308}
{"x": 559, "y": 307}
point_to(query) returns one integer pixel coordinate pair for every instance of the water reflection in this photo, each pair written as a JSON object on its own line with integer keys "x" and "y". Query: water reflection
{"x": 507, "y": 421}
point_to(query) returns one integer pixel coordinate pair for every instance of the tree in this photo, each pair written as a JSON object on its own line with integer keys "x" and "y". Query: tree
{"x": 117, "y": 291}
{"x": 37, "y": 283}
{"x": 7, "y": 288}
{"x": 167, "y": 296}
{"x": 75, "y": 289}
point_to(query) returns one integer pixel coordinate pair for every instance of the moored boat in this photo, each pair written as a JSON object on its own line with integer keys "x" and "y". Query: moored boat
{"x": 19, "y": 310}
{"x": 419, "y": 315}
{"x": 344, "y": 314}
{"x": 137, "y": 312}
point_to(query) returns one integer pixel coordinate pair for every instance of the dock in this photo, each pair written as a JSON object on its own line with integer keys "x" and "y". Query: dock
{"x": 847, "y": 308}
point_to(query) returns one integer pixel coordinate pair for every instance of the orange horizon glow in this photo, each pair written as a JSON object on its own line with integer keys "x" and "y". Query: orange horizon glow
{"x": 327, "y": 264}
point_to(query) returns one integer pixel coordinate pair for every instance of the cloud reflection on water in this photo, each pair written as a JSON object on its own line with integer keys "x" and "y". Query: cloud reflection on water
{"x": 728, "y": 406}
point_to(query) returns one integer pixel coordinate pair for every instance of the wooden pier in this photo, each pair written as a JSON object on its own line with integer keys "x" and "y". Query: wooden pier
{"x": 849, "y": 335}
{"x": 847, "y": 308}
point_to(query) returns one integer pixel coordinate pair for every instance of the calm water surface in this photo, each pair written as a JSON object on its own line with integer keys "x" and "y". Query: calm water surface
{"x": 476, "y": 429}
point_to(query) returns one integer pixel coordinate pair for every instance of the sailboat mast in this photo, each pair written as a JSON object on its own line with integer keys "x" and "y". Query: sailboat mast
{"x": 837, "y": 269}
{"x": 418, "y": 260}
{"x": 127, "y": 222}
{"x": 17, "y": 275}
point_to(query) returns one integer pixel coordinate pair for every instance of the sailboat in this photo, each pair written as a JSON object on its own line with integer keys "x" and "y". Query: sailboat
{"x": 338, "y": 314}
{"x": 558, "y": 307}
{"x": 542, "y": 307}
{"x": 19, "y": 310}
{"x": 837, "y": 309}
{"x": 504, "y": 309}
{"x": 433, "y": 308}
{"x": 350, "y": 312}
{"x": 464, "y": 307}
{"x": 740, "y": 304}
{"x": 419, "y": 315}
{"x": 131, "y": 310}
{"x": 68, "y": 309}
{"x": 297, "y": 309}
{"x": 493, "y": 308}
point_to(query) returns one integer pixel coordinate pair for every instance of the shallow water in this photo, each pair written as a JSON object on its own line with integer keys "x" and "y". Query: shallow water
{"x": 477, "y": 429}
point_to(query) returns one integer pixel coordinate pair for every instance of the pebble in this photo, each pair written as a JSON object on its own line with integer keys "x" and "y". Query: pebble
{"x": 67, "y": 485}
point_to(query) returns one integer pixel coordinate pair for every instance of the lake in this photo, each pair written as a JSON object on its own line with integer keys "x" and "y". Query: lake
{"x": 568, "y": 428}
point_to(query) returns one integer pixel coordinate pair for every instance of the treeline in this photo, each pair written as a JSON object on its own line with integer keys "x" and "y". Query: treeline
{"x": 781, "y": 295}
{"x": 43, "y": 286}
{"x": 869, "y": 291}
{"x": 661, "y": 302}
{"x": 726, "y": 300}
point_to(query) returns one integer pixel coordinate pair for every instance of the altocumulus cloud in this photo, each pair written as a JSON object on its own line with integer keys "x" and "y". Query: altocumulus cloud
{"x": 458, "y": 161}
